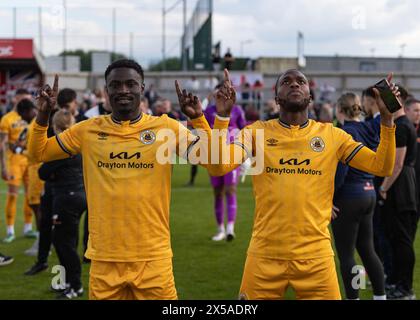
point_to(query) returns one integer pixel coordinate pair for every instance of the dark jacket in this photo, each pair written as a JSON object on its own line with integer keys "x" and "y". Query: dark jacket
{"x": 65, "y": 173}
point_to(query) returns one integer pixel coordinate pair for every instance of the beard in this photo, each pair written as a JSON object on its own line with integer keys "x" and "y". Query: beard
{"x": 295, "y": 106}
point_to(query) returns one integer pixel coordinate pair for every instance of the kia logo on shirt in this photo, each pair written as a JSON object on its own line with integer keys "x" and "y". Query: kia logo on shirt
{"x": 124, "y": 155}
{"x": 295, "y": 162}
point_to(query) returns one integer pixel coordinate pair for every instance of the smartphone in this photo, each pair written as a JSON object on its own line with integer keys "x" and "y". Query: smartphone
{"x": 391, "y": 101}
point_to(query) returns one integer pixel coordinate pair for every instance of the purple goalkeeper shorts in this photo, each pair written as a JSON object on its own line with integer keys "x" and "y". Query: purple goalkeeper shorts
{"x": 229, "y": 179}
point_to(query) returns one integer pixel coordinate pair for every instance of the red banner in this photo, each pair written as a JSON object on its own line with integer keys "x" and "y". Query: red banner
{"x": 16, "y": 49}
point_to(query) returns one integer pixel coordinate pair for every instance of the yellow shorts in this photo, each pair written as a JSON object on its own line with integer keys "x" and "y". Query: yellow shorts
{"x": 145, "y": 280}
{"x": 35, "y": 185}
{"x": 17, "y": 166}
{"x": 268, "y": 279}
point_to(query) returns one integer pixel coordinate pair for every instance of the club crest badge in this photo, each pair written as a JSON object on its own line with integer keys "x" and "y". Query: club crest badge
{"x": 317, "y": 144}
{"x": 147, "y": 137}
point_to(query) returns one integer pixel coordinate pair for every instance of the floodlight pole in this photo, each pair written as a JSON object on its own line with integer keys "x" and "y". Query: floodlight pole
{"x": 114, "y": 31}
{"x": 131, "y": 45}
{"x": 40, "y": 29}
{"x": 163, "y": 36}
{"x": 184, "y": 44}
{"x": 64, "y": 35}
{"x": 14, "y": 22}
{"x": 164, "y": 13}
{"x": 242, "y": 45}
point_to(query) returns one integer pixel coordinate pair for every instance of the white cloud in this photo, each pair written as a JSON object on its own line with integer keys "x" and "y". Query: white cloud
{"x": 272, "y": 25}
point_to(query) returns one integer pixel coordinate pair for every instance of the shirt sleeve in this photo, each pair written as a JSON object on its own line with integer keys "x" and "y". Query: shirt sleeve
{"x": 70, "y": 141}
{"x": 228, "y": 157}
{"x": 380, "y": 163}
{"x": 348, "y": 148}
{"x": 4, "y": 125}
{"x": 44, "y": 149}
{"x": 184, "y": 142}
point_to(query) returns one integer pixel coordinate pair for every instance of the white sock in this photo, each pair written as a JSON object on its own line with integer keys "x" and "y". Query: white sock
{"x": 27, "y": 227}
{"x": 10, "y": 230}
{"x": 379, "y": 297}
{"x": 221, "y": 228}
{"x": 230, "y": 228}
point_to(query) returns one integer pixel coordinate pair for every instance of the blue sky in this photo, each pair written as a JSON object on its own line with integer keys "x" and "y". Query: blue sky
{"x": 356, "y": 27}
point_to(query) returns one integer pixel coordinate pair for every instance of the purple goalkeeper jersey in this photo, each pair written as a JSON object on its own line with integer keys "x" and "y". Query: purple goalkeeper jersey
{"x": 237, "y": 119}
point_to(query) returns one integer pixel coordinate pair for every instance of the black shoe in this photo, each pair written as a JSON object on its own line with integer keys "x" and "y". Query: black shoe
{"x": 398, "y": 294}
{"x": 4, "y": 260}
{"x": 389, "y": 288}
{"x": 230, "y": 237}
{"x": 70, "y": 293}
{"x": 36, "y": 268}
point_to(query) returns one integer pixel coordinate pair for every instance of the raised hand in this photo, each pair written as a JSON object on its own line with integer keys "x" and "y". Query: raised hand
{"x": 190, "y": 104}
{"x": 386, "y": 116}
{"x": 225, "y": 96}
{"x": 47, "y": 97}
{"x": 5, "y": 175}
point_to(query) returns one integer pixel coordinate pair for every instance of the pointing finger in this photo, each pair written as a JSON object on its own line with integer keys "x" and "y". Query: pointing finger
{"x": 178, "y": 88}
{"x": 227, "y": 76}
{"x": 55, "y": 85}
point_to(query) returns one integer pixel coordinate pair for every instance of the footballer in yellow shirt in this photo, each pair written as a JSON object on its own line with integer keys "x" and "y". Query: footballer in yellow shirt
{"x": 127, "y": 187}
{"x": 291, "y": 243}
{"x": 14, "y": 163}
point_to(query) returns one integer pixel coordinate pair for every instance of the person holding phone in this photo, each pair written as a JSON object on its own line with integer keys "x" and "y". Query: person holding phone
{"x": 399, "y": 212}
{"x": 355, "y": 198}
{"x": 291, "y": 243}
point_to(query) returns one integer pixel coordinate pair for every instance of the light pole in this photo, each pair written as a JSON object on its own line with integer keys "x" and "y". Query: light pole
{"x": 402, "y": 46}
{"x": 14, "y": 22}
{"x": 243, "y": 43}
{"x": 65, "y": 35}
{"x": 164, "y": 13}
{"x": 373, "y": 50}
{"x": 40, "y": 29}
{"x": 114, "y": 32}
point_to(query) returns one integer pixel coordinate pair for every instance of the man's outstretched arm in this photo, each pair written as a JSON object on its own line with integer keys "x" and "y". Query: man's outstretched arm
{"x": 40, "y": 148}
{"x": 380, "y": 163}
{"x": 221, "y": 158}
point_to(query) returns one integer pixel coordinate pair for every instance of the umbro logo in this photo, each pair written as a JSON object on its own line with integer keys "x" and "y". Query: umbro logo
{"x": 272, "y": 142}
{"x": 103, "y": 136}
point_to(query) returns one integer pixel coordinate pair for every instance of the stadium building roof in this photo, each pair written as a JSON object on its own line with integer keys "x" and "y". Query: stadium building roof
{"x": 20, "y": 53}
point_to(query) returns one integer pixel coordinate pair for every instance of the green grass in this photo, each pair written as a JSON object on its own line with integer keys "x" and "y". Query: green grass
{"x": 203, "y": 269}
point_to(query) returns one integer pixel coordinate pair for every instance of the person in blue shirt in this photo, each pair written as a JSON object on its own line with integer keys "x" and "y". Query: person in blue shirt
{"x": 355, "y": 200}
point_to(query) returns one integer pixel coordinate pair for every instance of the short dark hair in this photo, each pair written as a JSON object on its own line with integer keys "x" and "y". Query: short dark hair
{"x": 125, "y": 63}
{"x": 411, "y": 101}
{"x": 65, "y": 96}
{"x": 22, "y": 91}
{"x": 369, "y": 92}
{"x": 403, "y": 92}
{"x": 24, "y": 105}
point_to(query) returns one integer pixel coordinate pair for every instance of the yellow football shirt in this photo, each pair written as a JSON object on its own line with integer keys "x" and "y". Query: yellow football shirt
{"x": 127, "y": 187}
{"x": 294, "y": 192}
{"x": 12, "y": 125}
{"x": 30, "y": 130}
